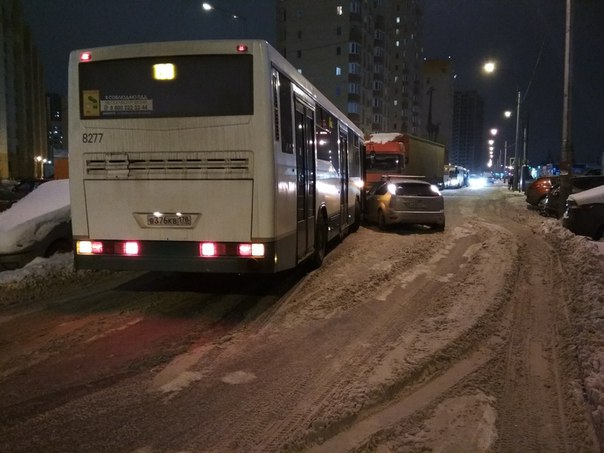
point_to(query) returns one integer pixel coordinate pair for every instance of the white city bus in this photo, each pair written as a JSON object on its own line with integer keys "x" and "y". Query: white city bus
{"x": 205, "y": 156}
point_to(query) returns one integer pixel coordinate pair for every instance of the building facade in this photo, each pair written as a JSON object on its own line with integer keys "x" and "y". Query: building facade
{"x": 468, "y": 147}
{"x": 365, "y": 56}
{"x": 437, "y": 122}
{"x": 22, "y": 101}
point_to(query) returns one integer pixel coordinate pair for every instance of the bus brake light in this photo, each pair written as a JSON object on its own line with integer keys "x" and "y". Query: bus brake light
{"x": 85, "y": 57}
{"x": 241, "y": 48}
{"x": 130, "y": 248}
{"x": 207, "y": 249}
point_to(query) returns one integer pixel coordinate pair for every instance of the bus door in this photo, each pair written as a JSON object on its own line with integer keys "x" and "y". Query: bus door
{"x": 305, "y": 163}
{"x": 343, "y": 178}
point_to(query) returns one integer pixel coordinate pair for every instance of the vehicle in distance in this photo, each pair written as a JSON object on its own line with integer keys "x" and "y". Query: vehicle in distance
{"x": 584, "y": 214}
{"x": 398, "y": 201}
{"x": 39, "y": 224}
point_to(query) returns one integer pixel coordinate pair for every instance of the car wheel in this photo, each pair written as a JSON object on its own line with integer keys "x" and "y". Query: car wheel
{"x": 58, "y": 246}
{"x": 382, "y": 220}
{"x": 320, "y": 242}
{"x": 598, "y": 234}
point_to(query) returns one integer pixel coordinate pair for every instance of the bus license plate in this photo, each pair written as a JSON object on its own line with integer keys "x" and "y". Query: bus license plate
{"x": 169, "y": 221}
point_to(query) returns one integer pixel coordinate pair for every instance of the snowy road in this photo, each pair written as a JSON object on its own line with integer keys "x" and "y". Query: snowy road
{"x": 487, "y": 337}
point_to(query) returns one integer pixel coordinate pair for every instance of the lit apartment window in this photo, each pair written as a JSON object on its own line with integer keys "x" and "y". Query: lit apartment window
{"x": 353, "y": 107}
{"x": 398, "y": 44}
{"x": 398, "y": 20}
{"x": 338, "y": 71}
{"x": 396, "y": 102}
{"x": 339, "y": 10}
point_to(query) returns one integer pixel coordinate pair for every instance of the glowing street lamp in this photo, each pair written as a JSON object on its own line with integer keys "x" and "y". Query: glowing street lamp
{"x": 206, "y": 6}
{"x": 490, "y": 68}
{"x": 41, "y": 161}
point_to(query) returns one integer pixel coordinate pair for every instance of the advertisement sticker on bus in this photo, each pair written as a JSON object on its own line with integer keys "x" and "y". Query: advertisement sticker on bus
{"x": 90, "y": 101}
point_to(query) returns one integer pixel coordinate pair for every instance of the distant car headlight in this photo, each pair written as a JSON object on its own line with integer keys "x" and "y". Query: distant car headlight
{"x": 392, "y": 189}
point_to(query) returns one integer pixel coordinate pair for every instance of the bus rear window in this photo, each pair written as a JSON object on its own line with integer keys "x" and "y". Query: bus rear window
{"x": 164, "y": 87}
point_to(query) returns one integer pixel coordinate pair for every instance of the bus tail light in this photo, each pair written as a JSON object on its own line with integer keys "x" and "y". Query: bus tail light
{"x": 207, "y": 249}
{"x": 130, "y": 248}
{"x": 89, "y": 247}
{"x": 241, "y": 48}
{"x": 255, "y": 250}
{"x": 85, "y": 57}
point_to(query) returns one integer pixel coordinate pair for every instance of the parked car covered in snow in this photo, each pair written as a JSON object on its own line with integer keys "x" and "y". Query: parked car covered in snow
{"x": 584, "y": 213}
{"x": 39, "y": 224}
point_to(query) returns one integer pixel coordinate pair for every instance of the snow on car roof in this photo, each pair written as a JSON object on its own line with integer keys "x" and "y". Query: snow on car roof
{"x": 34, "y": 215}
{"x": 595, "y": 195}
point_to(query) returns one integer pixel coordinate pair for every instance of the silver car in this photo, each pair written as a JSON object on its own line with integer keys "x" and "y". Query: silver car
{"x": 397, "y": 201}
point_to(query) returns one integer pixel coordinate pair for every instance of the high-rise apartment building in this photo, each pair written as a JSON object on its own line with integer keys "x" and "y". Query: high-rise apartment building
{"x": 22, "y": 99}
{"x": 438, "y": 102}
{"x": 364, "y": 55}
{"x": 468, "y": 147}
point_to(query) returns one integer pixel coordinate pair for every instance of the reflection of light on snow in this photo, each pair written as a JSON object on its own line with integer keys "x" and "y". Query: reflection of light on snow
{"x": 478, "y": 183}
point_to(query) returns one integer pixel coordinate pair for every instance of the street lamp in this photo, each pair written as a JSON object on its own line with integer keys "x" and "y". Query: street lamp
{"x": 237, "y": 17}
{"x": 41, "y": 161}
{"x": 489, "y": 68}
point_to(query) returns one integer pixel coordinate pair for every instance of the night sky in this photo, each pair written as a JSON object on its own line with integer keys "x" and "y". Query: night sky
{"x": 526, "y": 37}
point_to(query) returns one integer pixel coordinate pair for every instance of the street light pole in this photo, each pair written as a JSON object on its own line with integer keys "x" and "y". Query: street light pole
{"x": 516, "y": 144}
{"x": 566, "y": 157}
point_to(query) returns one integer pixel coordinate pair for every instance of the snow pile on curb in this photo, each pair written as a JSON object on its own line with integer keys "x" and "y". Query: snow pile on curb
{"x": 585, "y": 266}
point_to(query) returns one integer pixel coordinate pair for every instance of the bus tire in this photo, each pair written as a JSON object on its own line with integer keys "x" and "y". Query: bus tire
{"x": 320, "y": 242}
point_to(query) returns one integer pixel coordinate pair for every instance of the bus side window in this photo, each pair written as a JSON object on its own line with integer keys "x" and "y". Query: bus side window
{"x": 286, "y": 113}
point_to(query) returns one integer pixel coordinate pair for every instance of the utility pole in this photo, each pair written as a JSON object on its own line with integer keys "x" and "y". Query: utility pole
{"x": 516, "y": 174}
{"x": 566, "y": 157}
